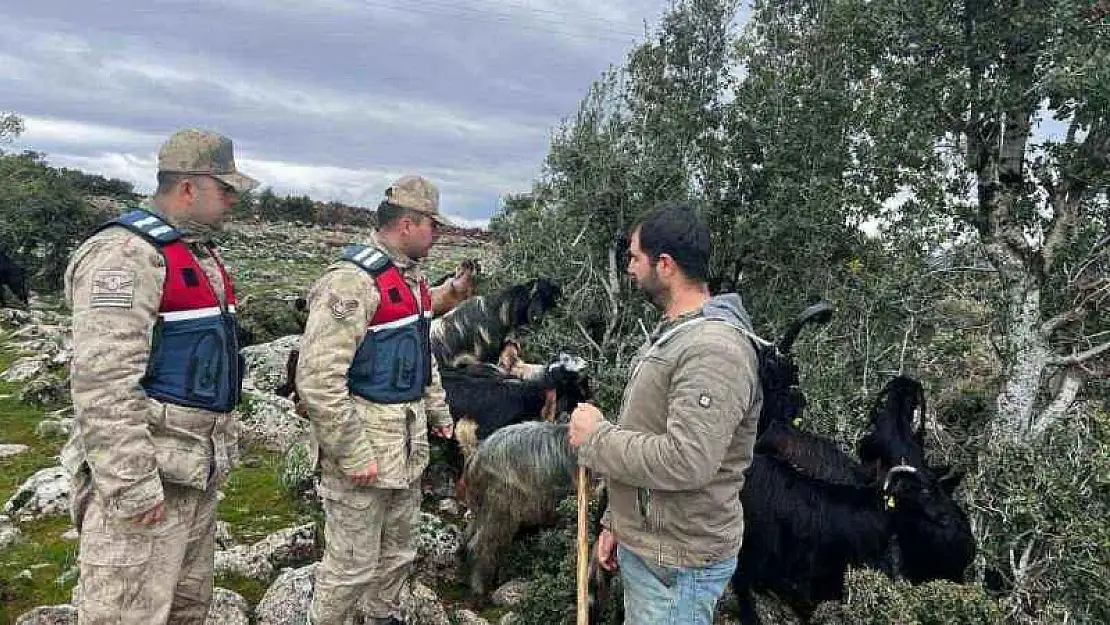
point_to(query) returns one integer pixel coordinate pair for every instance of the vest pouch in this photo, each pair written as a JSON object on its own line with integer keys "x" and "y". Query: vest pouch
{"x": 405, "y": 363}
{"x": 363, "y": 364}
{"x": 207, "y": 368}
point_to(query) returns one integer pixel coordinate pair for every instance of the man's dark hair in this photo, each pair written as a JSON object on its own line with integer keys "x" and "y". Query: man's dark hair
{"x": 168, "y": 179}
{"x": 389, "y": 214}
{"x": 679, "y": 231}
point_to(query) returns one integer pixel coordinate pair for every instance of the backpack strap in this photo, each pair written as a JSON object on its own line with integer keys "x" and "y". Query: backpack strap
{"x": 371, "y": 259}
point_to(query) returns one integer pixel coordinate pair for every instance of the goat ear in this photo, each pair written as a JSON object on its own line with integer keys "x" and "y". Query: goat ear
{"x": 949, "y": 483}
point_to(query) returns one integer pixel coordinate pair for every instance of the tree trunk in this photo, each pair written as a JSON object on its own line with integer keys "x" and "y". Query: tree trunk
{"x": 1027, "y": 356}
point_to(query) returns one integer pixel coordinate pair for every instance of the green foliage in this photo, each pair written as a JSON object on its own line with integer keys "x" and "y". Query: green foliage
{"x": 872, "y": 599}
{"x": 42, "y": 216}
{"x": 267, "y": 206}
{"x": 97, "y": 185}
{"x": 548, "y": 559}
{"x": 1042, "y": 513}
{"x": 250, "y": 589}
{"x": 268, "y": 316}
{"x": 41, "y": 542}
{"x": 38, "y": 570}
{"x": 11, "y": 126}
{"x": 296, "y": 472}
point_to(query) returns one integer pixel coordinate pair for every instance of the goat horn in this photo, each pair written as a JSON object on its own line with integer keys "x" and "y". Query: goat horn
{"x": 821, "y": 312}
{"x": 902, "y": 468}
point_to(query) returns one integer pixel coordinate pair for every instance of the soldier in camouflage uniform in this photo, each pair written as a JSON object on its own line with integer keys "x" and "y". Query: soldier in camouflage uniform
{"x": 155, "y": 374}
{"x": 370, "y": 388}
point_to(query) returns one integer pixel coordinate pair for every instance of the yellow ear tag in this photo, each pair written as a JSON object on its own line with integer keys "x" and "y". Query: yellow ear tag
{"x": 890, "y": 502}
{"x": 796, "y": 422}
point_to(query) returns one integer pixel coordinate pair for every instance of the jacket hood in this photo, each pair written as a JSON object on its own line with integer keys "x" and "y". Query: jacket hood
{"x": 728, "y": 307}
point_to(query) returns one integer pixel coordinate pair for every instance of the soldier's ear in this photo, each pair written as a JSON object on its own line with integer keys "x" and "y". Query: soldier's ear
{"x": 188, "y": 188}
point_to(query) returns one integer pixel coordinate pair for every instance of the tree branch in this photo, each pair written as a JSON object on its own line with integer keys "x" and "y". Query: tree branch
{"x": 612, "y": 289}
{"x": 1081, "y": 357}
{"x": 1065, "y": 207}
{"x": 589, "y": 339}
{"x": 1063, "y": 319}
{"x": 1074, "y": 379}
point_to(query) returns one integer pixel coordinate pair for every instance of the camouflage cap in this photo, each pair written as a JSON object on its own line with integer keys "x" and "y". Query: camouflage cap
{"x": 193, "y": 151}
{"x": 416, "y": 193}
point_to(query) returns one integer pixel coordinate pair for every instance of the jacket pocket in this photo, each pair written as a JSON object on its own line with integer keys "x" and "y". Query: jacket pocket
{"x": 102, "y": 549}
{"x": 417, "y": 426}
{"x": 184, "y": 458}
{"x": 387, "y": 427}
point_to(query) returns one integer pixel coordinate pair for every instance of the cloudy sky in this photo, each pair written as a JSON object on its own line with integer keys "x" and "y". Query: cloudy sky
{"x": 330, "y": 98}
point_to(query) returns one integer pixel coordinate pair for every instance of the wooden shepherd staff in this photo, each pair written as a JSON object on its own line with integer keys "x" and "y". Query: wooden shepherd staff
{"x": 583, "y": 547}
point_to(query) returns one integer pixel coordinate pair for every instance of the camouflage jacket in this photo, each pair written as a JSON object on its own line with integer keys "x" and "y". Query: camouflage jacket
{"x": 129, "y": 442}
{"x": 350, "y": 432}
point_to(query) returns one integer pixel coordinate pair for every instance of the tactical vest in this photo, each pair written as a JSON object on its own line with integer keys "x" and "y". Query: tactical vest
{"x": 194, "y": 356}
{"x": 393, "y": 362}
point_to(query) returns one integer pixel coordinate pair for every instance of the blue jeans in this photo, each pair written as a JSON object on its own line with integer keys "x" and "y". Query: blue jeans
{"x": 660, "y": 595}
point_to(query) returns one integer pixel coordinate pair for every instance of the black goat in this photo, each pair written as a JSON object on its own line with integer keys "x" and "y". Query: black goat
{"x": 811, "y": 511}
{"x": 484, "y": 399}
{"x": 477, "y": 328}
{"x": 801, "y": 533}
{"x": 15, "y": 278}
{"x": 934, "y": 534}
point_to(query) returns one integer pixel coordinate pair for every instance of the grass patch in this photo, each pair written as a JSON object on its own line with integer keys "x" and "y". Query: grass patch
{"x": 250, "y": 589}
{"x": 254, "y": 503}
{"x": 49, "y": 560}
{"x": 18, "y": 426}
{"x": 41, "y": 551}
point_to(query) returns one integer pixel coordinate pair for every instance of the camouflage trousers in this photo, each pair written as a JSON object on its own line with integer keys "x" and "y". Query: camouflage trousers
{"x": 131, "y": 574}
{"x": 368, "y": 553}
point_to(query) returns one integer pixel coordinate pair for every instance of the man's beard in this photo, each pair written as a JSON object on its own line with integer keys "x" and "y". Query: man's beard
{"x": 653, "y": 288}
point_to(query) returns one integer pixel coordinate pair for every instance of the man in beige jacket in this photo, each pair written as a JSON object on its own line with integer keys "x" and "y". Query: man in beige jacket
{"x": 370, "y": 388}
{"x": 674, "y": 462}
{"x": 155, "y": 375}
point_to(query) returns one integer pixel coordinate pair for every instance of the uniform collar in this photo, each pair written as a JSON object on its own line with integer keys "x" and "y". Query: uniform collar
{"x": 191, "y": 231}
{"x": 402, "y": 262}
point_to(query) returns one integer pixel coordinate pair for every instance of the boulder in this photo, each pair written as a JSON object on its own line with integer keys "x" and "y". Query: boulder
{"x": 228, "y": 608}
{"x": 63, "y": 614}
{"x": 269, "y": 421}
{"x": 25, "y": 368}
{"x": 9, "y": 450}
{"x": 46, "y": 493}
{"x": 9, "y": 533}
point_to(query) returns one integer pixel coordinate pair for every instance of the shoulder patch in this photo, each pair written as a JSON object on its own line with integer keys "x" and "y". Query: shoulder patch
{"x": 341, "y": 308}
{"x": 112, "y": 288}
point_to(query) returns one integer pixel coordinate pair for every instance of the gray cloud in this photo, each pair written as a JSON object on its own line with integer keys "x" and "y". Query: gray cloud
{"x": 326, "y": 97}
